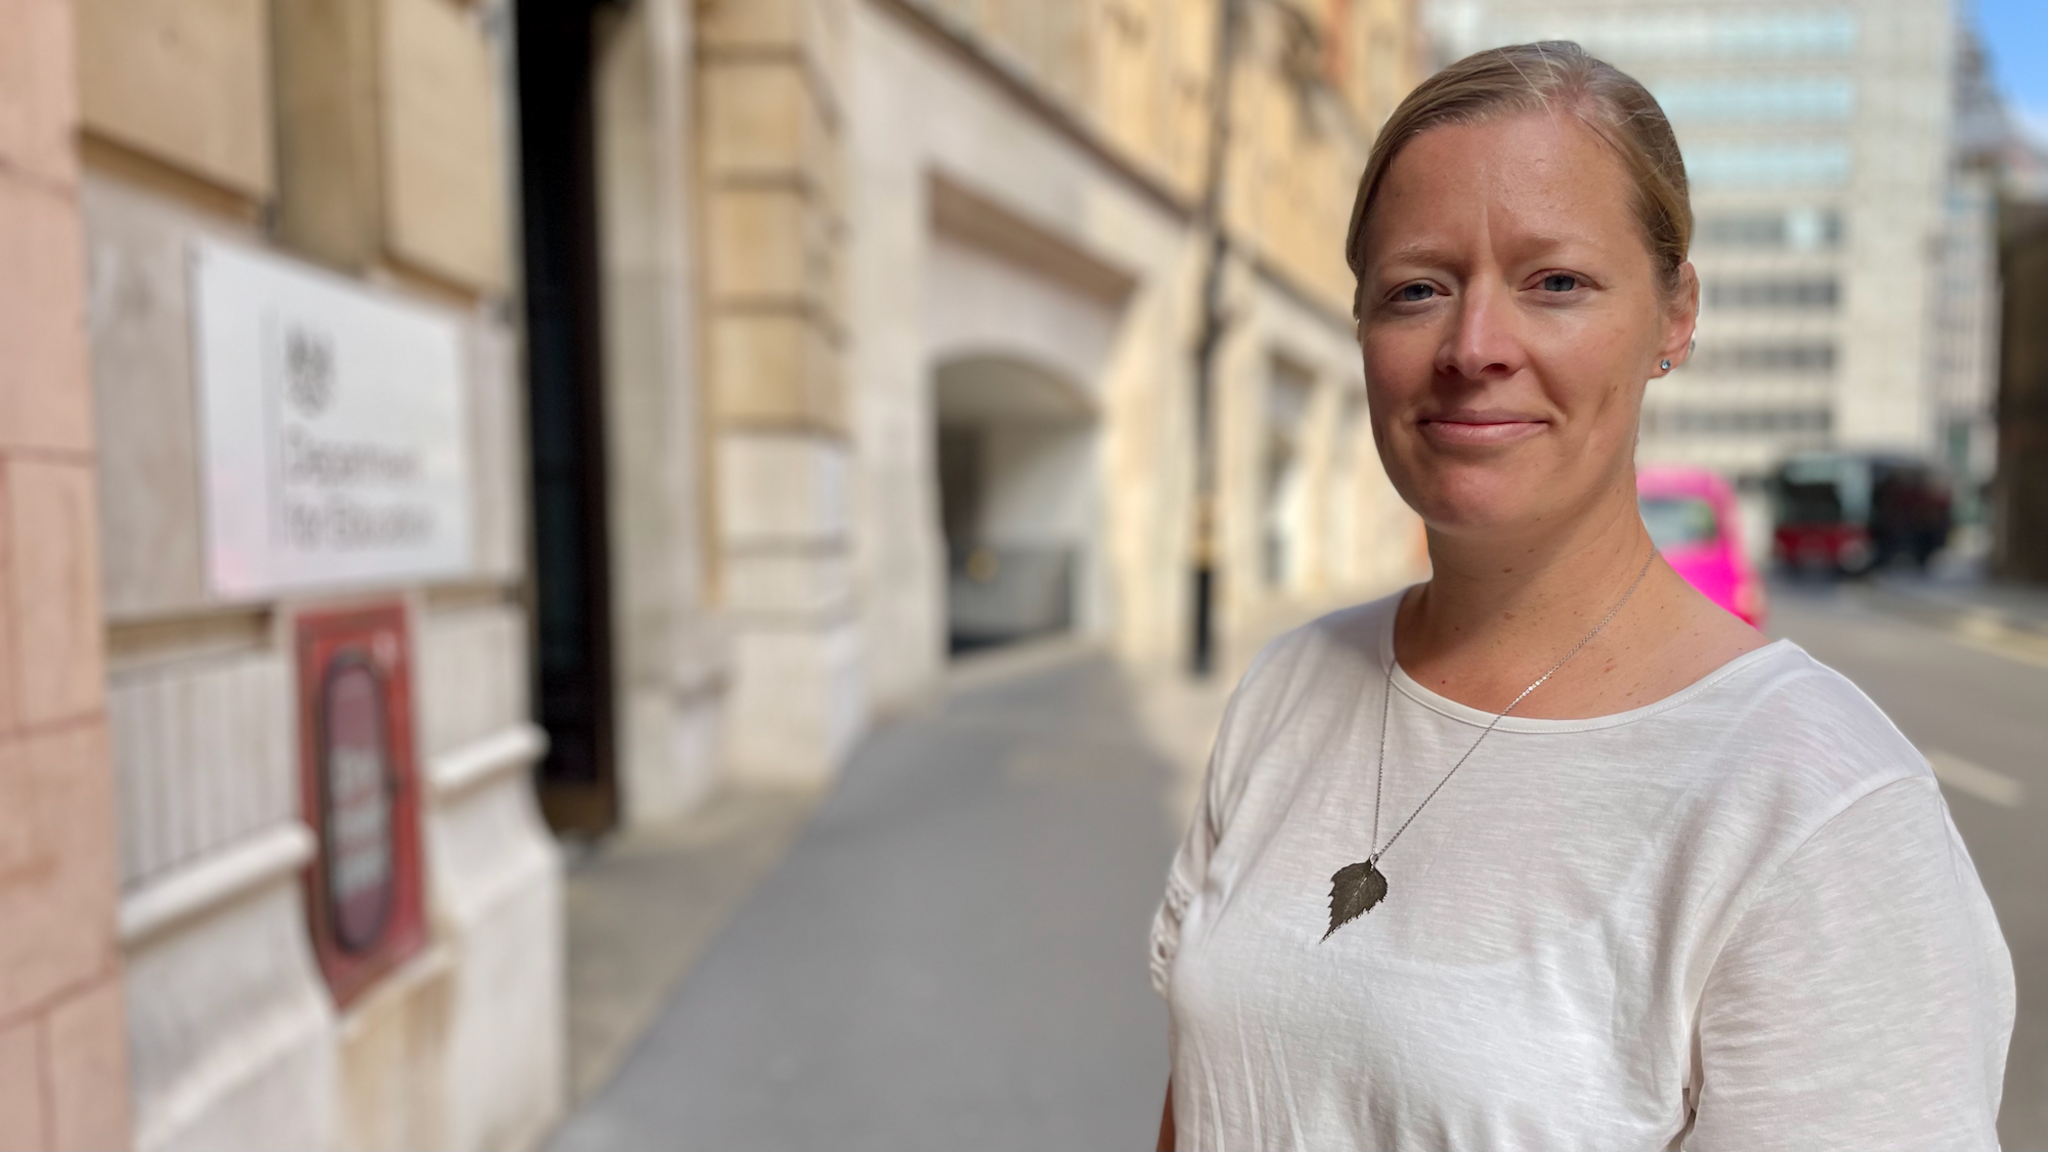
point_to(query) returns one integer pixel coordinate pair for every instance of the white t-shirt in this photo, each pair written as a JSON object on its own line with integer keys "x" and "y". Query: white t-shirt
{"x": 1737, "y": 918}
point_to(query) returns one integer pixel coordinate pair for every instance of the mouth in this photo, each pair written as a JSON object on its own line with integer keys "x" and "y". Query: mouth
{"x": 1480, "y": 428}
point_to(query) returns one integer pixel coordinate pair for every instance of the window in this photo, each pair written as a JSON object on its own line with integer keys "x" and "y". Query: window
{"x": 1737, "y": 421}
{"x": 1802, "y": 229}
{"x": 1680, "y": 521}
{"x": 1749, "y": 101}
{"x": 1778, "y": 356}
{"x": 1286, "y": 512}
{"x": 1823, "y": 163}
{"x": 1818, "y": 292}
{"x": 1823, "y": 32}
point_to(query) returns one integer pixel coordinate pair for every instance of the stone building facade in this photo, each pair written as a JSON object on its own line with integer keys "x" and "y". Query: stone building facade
{"x": 1025, "y": 277}
{"x": 360, "y": 148}
{"x": 952, "y": 267}
{"x": 63, "y": 1052}
{"x": 743, "y": 362}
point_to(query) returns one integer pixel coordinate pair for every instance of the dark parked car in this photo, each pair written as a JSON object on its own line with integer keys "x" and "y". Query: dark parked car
{"x": 1852, "y": 512}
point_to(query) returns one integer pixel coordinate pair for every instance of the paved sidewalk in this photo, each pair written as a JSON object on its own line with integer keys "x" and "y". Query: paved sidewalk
{"x": 642, "y": 906}
{"x": 952, "y": 953}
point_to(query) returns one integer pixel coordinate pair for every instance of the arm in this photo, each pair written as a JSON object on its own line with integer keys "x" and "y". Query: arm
{"x": 1166, "y": 1134}
{"x": 1865, "y": 998}
{"x": 1190, "y": 865}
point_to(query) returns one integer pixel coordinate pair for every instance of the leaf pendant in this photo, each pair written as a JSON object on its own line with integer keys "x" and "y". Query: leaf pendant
{"x": 1354, "y": 890}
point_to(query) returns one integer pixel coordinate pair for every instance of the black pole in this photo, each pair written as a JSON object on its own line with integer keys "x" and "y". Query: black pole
{"x": 1201, "y": 648}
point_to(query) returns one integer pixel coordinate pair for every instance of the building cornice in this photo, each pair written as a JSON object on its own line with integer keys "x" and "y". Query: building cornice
{"x": 966, "y": 50}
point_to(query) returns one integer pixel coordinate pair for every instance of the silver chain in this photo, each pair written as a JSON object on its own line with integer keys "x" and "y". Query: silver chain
{"x": 1386, "y": 698}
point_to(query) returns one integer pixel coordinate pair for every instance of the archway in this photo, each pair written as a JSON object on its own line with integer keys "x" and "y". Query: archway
{"x": 1018, "y": 500}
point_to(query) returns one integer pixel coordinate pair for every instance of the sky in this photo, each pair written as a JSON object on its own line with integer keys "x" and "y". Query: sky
{"x": 2016, "y": 32}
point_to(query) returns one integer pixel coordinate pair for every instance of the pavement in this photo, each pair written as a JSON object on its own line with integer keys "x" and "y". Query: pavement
{"x": 641, "y": 907}
{"x": 952, "y": 952}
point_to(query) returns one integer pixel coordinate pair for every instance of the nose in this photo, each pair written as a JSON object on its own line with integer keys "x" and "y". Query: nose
{"x": 1482, "y": 341}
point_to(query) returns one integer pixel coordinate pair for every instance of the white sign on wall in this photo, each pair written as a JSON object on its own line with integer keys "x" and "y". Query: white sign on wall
{"x": 332, "y": 419}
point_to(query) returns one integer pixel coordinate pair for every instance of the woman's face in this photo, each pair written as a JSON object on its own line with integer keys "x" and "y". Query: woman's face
{"x": 1510, "y": 314}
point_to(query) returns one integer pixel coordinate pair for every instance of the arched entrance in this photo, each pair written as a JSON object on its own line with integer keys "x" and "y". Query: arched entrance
{"x": 1018, "y": 500}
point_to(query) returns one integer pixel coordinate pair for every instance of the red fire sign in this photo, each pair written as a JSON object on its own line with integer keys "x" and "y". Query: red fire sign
{"x": 360, "y": 793}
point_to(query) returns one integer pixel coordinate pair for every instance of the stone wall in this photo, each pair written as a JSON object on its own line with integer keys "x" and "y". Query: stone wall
{"x": 63, "y": 1060}
{"x": 1313, "y": 81}
{"x": 1000, "y": 225}
{"x": 771, "y": 79}
{"x": 899, "y": 196}
{"x": 671, "y": 650}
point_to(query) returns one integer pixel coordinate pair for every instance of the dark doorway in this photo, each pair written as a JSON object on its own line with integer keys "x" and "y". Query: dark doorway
{"x": 564, "y": 332}
{"x": 1016, "y": 470}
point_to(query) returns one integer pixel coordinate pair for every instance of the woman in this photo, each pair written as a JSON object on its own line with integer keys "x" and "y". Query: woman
{"x": 1550, "y": 852}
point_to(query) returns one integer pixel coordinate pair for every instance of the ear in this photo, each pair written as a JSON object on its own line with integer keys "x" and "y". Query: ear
{"x": 1682, "y": 317}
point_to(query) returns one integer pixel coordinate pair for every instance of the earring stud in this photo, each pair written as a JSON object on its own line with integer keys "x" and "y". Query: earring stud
{"x": 1667, "y": 365}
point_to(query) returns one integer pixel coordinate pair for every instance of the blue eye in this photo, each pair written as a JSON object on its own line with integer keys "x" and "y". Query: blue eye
{"x": 1412, "y": 293}
{"x": 1560, "y": 282}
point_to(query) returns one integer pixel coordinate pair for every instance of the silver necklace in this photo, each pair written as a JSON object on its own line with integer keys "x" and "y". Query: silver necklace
{"x": 1356, "y": 888}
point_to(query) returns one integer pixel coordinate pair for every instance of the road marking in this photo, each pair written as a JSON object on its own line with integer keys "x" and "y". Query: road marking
{"x": 1976, "y": 628}
{"x": 1979, "y": 781}
{"x": 1985, "y": 632}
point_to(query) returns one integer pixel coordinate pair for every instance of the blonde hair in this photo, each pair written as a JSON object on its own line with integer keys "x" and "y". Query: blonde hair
{"x": 1552, "y": 76}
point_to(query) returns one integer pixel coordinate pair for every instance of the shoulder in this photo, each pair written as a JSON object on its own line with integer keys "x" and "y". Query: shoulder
{"x": 1353, "y": 635}
{"x": 1325, "y": 661}
{"x": 1774, "y": 750}
{"x": 1806, "y": 728}
{"x": 1300, "y": 686}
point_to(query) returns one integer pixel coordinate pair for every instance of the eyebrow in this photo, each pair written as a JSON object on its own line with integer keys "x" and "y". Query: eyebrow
{"x": 1430, "y": 254}
{"x": 1417, "y": 252}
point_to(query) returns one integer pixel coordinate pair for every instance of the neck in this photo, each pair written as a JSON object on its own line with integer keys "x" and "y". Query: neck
{"x": 1518, "y": 597}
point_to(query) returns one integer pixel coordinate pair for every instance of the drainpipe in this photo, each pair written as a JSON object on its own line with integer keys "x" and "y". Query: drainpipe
{"x": 1201, "y": 648}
